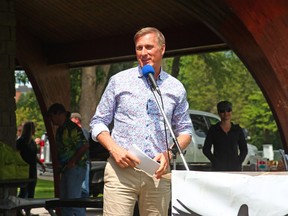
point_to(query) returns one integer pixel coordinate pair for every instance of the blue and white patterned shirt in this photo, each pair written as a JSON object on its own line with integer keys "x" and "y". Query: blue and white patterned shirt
{"x": 129, "y": 100}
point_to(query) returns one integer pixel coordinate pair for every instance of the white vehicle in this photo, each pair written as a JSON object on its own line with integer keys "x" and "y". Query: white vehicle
{"x": 45, "y": 155}
{"x": 201, "y": 123}
{"x": 193, "y": 153}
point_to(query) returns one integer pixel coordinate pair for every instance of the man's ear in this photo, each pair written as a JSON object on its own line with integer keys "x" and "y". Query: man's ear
{"x": 163, "y": 49}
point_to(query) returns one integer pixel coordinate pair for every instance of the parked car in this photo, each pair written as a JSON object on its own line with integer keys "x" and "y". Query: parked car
{"x": 201, "y": 123}
{"x": 193, "y": 153}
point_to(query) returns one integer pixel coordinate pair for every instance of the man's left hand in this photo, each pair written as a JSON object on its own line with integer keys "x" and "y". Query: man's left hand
{"x": 163, "y": 159}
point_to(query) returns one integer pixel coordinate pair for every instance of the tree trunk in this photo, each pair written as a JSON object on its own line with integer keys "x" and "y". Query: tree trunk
{"x": 175, "y": 66}
{"x": 91, "y": 92}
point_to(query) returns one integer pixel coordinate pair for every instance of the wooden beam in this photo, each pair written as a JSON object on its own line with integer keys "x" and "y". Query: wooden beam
{"x": 257, "y": 32}
{"x": 188, "y": 39}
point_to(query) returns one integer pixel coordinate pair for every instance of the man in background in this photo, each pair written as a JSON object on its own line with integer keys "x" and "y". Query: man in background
{"x": 38, "y": 141}
{"x": 76, "y": 118}
{"x": 72, "y": 149}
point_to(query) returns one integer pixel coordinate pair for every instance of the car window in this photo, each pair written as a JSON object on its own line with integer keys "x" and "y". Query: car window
{"x": 211, "y": 120}
{"x": 199, "y": 125}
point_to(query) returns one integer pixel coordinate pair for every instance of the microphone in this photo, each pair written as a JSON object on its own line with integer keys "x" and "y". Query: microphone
{"x": 148, "y": 72}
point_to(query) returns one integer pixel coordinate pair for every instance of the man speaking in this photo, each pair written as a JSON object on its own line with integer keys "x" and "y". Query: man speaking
{"x": 129, "y": 102}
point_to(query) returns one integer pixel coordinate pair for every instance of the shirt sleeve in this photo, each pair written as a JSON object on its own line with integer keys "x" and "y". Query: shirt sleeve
{"x": 181, "y": 120}
{"x": 105, "y": 111}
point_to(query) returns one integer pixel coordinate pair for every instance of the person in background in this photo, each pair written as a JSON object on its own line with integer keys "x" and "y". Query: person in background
{"x": 19, "y": 130}
{"x": 129, "y": 103}
{"x": 76, "y": 118}
{"x": 26, "y": 145}
{"x": 228, "y": 142}
{"x": 38, "y": 141}
{"x": 72, "y": 149}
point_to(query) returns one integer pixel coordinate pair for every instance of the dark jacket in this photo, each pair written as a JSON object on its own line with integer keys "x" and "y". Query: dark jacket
{"x": 229, "y": 149}
{"x": 28, "y": 152}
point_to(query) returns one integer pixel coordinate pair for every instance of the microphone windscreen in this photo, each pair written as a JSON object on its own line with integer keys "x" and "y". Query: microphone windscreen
{"x": 147, "y": 69}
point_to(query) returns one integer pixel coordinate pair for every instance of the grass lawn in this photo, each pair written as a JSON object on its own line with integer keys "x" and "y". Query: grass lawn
{"x": 44, "y": 189}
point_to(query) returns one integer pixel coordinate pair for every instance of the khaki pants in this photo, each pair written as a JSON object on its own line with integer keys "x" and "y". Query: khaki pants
{"x": 123, "y": 187}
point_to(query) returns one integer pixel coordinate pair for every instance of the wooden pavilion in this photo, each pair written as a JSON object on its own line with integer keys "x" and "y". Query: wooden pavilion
{"x": 46, "y": 38}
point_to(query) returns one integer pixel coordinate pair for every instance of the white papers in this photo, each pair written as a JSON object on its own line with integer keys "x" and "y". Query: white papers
{"x": 146, "y": 164}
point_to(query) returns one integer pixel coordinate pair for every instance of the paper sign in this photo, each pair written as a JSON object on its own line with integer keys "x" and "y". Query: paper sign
{"x": 146, "y": 163}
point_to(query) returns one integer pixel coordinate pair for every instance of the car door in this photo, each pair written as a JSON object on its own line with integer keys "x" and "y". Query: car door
{"x": 201, "y": 126}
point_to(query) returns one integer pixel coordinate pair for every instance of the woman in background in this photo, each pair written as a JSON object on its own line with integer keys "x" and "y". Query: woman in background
{"x": 28, "y": 151}
{"x": 228, "y": 142}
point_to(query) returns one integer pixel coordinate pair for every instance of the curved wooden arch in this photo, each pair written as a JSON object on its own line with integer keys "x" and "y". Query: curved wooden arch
{"x": 257, "y": 32}
{"x": 51, "y": 83}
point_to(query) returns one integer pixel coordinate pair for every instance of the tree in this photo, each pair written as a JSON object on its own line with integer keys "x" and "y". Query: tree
{"x": 93, "y": 83}
{"x": 258, "y": 117}
{"x": 21, "y": 78}
{"x": 211, "y": 77}
{"x": 87, "y": 86}
{"x": 27, "y": 109}
{"x": 207, "y": 78}
{"x": 200, "y": 87}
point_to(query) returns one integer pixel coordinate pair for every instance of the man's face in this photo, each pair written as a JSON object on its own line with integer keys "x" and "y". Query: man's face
{"x": 75, "y": 120}
{"x": 19, "y": 130}
{"x": 37, "y": 141}
{"x": 148, "y": 51}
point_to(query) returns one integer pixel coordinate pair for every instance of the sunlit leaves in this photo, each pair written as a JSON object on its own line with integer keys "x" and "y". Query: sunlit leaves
{"x": 212, "y": 77}
{"x": 28, "y": 110}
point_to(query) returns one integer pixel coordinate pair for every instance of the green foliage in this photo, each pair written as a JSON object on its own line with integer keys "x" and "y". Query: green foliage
{"x": 100, "y": 74}
{"x": 76, "y": 76}
{"x": 27, "y": 109}
{"x": 208, "y": 78}
{"x": 200, "y": 87}
{"x": 212, "y": 77}
{"x": 75, "y": 87}
{"x": 21, "y": 78}
{"x": 115, "y": 68}
{"x": 258, "y": 117}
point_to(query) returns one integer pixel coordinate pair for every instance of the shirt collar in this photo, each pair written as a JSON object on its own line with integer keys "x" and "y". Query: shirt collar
{"x": 160, "y": 77}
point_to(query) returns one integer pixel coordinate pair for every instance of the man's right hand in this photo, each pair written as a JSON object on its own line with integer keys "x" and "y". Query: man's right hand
{"x": 123, "y": 157}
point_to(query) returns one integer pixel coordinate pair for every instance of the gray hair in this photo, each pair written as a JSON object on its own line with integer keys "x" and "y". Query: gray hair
{"x": 147, "y": 30}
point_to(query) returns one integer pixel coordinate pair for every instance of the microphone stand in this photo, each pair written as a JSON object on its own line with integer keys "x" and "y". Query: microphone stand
{"x": 174, "y": 150}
